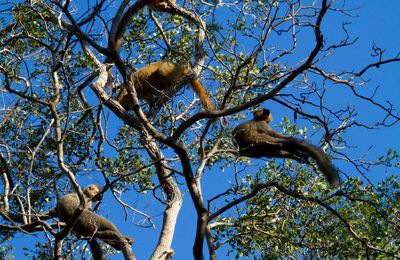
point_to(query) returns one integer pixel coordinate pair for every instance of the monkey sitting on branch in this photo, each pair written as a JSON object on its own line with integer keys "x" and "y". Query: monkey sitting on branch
{"x": 155, "y": 80}
{"x": 90, "y": 225}
{"x": 255, "y": 138}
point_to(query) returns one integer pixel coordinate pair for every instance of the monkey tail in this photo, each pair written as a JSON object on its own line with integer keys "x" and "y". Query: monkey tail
{"x": 324, "y": 163}
{"x": 203, "y": 95}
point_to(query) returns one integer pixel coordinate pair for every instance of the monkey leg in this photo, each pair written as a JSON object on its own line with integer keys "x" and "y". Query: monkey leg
{"x": 97, "y": 251}
{"x": 113, "y": 238}
{"x": 117, "y": 241}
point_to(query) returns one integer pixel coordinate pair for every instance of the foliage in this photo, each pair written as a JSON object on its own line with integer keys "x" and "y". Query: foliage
{"x": 60, "y": 131}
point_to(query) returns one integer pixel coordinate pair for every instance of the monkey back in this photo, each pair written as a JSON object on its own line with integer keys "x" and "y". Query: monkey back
{"x": 66, "y": 206}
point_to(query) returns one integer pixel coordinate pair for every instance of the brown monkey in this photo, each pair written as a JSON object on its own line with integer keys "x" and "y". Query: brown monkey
{"x": 256, "y": 139}
{"x": 69, "y": 203}
{"x": 152, "y": 80}
{"x": 90, "y": 224}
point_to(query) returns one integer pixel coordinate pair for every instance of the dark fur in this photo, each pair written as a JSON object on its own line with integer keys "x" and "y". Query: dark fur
{"x": 90, "y": 225}
{"x": 97, "y": 251}
{"x": 256, "y": 139}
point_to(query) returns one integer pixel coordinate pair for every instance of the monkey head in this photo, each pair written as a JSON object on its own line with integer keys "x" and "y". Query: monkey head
{"x": 91, "y": 191}
{"x": 263, "y": 114}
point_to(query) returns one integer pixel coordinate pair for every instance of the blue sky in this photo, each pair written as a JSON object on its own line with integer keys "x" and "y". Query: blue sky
{"x": 378, "y": 22}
